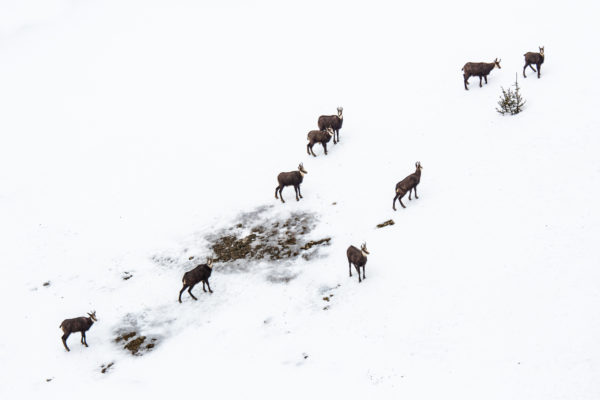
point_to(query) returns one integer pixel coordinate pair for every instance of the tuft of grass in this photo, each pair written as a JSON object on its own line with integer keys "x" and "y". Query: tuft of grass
{"x": 386, "y": 223}
{"x": 134, "y": 345}
{"x": 105, "y": 368}
{"x": 313, "y": 243}
{"x": 125, "y": 336}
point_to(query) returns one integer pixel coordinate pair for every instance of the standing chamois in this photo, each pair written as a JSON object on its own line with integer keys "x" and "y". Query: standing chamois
{"x": 407, "y": 185}
{"x": 479, "y": 69}
{"x": 80, "y": 324}
{"x": 199, "y": 274}
{"x": 358, "y": 258}
{"x": 534, "y": 58}
{"x": 322, "y": 137}
{"x": 334, "y": 122}
{"x": 293, "y": 178}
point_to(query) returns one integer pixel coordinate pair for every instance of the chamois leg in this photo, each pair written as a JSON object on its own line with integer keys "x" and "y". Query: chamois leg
{"x": 64, "y": 340}
{"x": 409, "y": 193}
{"x": 337, "y": 133}
{"x": 190, "y": 292}
{"x": 401, "y": 203}
{"x": 184, "y": 287}
{"x": 307, "y": 148}
{"x": 297, "y": 189}
{"x": 276, "y": 189}
{"x": 524, "y": 68}
{"x": 207, "y": 284}
{"x": 83, "y": 339}
{"x": 466, "y": 79}
{"x": 311, "y": 150}
{"x": 485, "y": 77}
{"x": 480, "y": 85}
{"x": 416, "y": 197}
{"x": 539, "y": 70}
{"x": 299, "y": 192}
{"x": 364, "y": 267}
{"x": 325, "y": 148}
{"x": 531, "y": 66}
{"x": 394, "y": 202}
{"x": 358, "y": 271}
{"x": 281, "y": 194}
{"x": 350, "y": 268}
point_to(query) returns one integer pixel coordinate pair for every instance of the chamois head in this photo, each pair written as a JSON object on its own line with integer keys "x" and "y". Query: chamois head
{"x": 418, "y": 165}
{"x": 339, "y": 110}
{"x": 329, "y": 130}
{"x": 209, "y": 262}
{"x": 497, "y": 64}
{"x": 93, "y": 315}
{"x": 363, "y": 248}
{"x": 542, "y": 51}
{"x": 301, "y": 169}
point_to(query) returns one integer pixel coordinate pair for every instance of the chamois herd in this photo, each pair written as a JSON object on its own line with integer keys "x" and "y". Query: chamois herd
{"x": 329, "y": 127}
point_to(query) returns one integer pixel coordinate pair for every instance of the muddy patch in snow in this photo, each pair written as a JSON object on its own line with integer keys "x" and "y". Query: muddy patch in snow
{"x": 260, "y": 237}
{"x": 132, "y": 337}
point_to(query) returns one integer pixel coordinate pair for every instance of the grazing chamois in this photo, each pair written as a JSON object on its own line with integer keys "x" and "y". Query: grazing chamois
{"x": 322, "y": 137}
{"x": 358, "y": 258}
{"x": 199, "y": 274}
{"x": 479, "y": 69}
{"x": 334, "y": 122}
{"x": 407, "y": 185}
{"x": 534, "y": 58}
{"x": 80, "y": 324}
{"x": 293, "y": 178}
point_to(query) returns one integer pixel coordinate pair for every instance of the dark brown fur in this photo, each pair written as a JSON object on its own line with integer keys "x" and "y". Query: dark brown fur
{"x": 334, "y": 122}
{"x": 293, "y": 178}
{"x": 534, "y": 58}
{"x": 407, "y": 185}
{"x": 80, "y": 324}
{"x": 199, "y": 274}
{"x": 315, "y": 137}
{"x": 479, "y": 69}
{"x": 356, "y": 257}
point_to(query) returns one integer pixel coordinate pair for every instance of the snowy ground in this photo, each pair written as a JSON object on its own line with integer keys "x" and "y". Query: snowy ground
{"x": 133, "y": 129}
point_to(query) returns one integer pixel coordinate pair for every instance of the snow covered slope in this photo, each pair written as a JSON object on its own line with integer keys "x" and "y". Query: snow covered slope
{"x": 131, "y": 130}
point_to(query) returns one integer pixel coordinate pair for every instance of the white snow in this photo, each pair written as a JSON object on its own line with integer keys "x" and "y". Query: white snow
{"x": 132, "y": 129}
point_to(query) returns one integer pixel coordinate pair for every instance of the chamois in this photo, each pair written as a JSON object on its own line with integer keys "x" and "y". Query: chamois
{"x": 293, "y": 178}
{"x": 322, "y": 137}
{"x": 479, "y": 69}
{"x": 358, "y": 258}
{"x": 80, "y": 324}
{"x": 534, "y": 58}
{"x": 407, "y": 185}
{"x": 199, "y": 274}
{"x": 334, "y": 122}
